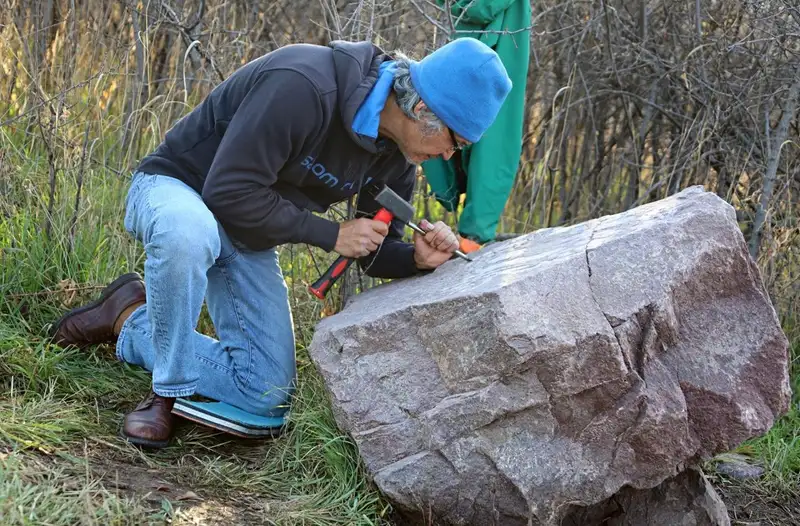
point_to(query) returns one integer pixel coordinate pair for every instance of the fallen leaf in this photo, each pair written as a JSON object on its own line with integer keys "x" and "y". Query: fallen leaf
{"x": 190, "y": 495}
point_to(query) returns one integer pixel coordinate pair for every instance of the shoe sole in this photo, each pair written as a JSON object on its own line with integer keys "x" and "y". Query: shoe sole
{"x": 110, "y": 289}
{"x": 143, "y": 442}
{"x": 228, "y": 419}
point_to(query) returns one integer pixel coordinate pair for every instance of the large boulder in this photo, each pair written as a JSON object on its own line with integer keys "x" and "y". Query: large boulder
{"x": 561, "y": 368}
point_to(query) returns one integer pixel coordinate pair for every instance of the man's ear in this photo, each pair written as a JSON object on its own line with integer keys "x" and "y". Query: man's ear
{"x": 419, "y": 107}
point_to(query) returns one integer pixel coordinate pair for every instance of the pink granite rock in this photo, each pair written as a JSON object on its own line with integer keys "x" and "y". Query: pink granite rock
{"x": 561, "y": 367}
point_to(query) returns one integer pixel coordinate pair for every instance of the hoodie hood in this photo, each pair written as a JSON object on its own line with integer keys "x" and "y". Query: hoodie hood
{"x": 356, "y": 65}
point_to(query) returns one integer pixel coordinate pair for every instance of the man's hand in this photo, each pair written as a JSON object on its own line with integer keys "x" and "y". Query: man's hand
{"x": 359, "y": 237}
{"x": 435, "y": 247}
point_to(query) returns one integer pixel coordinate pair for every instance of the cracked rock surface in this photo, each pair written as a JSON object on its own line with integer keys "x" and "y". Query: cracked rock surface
{"x": 560, "y": 368}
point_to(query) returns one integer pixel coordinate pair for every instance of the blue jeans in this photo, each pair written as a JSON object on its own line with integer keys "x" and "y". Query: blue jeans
{"x": 189, "y": 259}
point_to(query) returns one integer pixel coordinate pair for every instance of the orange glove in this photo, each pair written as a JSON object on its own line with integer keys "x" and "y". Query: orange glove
{"x": 467, "y": 245}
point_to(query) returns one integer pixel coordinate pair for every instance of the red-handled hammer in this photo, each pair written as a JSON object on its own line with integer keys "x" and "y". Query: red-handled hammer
{"x": 394, "y": 206}
{"x": 321, "y": 287}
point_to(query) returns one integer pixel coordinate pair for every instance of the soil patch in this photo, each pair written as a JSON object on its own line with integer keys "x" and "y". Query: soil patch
{"x": 751, "y": 503}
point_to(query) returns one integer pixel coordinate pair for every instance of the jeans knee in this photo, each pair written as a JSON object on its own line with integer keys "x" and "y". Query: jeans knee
{"x": 183, "y": 241}
{"x": 273, "y": 399}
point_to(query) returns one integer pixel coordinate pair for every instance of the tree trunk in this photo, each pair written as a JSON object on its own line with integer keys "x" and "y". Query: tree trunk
{"x": 774, "y": 156}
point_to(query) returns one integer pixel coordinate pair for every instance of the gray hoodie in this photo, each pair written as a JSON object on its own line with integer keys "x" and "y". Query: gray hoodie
{"x": 274, "y": 143}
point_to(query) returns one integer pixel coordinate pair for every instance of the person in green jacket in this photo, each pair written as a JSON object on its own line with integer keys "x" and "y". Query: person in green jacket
{"x": 485, "y": 171}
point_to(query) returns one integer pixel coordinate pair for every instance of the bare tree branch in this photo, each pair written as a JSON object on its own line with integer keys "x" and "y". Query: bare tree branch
{"x": 781, "y": 133}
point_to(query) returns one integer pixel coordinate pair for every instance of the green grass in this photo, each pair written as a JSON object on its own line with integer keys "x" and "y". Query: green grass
{"x": 40, "y": 492}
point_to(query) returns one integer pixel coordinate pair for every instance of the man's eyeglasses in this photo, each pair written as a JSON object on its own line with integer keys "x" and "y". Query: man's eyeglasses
{"x": 456, "y": 145}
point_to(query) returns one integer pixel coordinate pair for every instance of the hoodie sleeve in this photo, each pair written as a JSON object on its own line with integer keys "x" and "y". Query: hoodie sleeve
{"x": 395, "y": 257}
{"x": 280, "y": 113}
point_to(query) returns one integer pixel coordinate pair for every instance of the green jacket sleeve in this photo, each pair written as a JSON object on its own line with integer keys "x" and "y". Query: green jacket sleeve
{"x": 491, "y": 164}
{"x": 479, "y": 13}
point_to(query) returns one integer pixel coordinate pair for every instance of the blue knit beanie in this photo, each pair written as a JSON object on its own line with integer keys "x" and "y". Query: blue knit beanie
{"x": 464, "y": 83}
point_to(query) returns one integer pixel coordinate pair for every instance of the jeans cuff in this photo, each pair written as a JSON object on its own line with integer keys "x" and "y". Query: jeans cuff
{"x": 123, "y": 334}
{"x": 175, "y": 391}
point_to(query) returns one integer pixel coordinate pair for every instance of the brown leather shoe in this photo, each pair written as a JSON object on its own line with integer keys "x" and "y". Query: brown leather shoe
{"x": 150, "y": 424}
{"x": 94, "y": 323}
